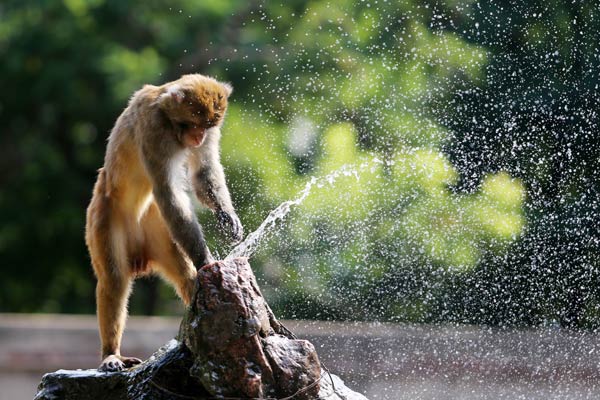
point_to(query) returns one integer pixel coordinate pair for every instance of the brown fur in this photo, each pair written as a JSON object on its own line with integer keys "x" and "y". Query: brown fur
{"x": 130, "y": 230}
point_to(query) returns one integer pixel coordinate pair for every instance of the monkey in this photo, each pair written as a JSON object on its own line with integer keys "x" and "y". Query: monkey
{"x": 140, "y": 220}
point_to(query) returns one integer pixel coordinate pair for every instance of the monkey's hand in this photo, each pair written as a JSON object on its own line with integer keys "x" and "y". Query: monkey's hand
{"x": 231, "y": 223}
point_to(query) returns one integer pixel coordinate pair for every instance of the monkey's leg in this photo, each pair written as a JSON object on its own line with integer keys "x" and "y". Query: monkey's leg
{"x": 110, "y": 259}
{"x": 112, "y": 292}
{"x": 166, "y": 257}
{"x": 114, "y": 280}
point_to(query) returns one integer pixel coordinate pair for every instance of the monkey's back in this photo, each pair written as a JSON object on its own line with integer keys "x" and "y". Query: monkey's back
{"x": 123, "y": 190}
{"x": 127, "y": 181}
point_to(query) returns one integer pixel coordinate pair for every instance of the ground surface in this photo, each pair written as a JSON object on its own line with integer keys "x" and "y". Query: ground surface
{"x": 385, "y": 362}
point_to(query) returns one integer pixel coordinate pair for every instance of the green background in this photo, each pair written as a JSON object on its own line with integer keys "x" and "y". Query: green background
{"x": 470, "y": 131}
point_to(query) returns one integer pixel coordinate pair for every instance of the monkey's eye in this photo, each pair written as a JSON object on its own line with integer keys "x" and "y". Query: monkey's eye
{"x": 184, "y": 126}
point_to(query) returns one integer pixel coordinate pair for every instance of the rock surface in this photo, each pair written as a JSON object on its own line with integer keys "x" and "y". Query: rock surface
{"x": 230, "y": 346}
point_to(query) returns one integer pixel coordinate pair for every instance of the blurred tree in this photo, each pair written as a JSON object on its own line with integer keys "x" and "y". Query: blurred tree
{"x": 536, "y": 118}
{"x": 67, "y": 71}
{"x": 469, "y": 129}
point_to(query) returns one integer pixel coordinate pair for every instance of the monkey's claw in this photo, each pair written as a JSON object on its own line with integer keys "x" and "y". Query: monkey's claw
{"x": 231, "y": 223}
{"x": 114, "y": 363}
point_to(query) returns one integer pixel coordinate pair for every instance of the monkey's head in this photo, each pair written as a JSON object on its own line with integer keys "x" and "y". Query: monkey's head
{"x": 194, "y": 104}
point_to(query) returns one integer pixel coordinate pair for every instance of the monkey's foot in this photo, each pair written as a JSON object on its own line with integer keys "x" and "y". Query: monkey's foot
{"x": 115, "y": 363}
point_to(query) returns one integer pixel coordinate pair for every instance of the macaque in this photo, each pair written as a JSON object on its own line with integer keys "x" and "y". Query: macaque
{"x": 141, "y": 219}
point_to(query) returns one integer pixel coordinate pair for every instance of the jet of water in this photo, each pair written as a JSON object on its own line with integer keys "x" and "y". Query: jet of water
{"x": 249, "y": 246}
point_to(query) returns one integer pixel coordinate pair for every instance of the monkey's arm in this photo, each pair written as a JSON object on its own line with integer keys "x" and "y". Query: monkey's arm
{"x": 208, "y": 179}
{"x": 164, "y": 163}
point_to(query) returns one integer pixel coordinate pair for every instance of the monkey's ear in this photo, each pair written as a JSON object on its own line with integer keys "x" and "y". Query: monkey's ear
{"x": 174, "y": 94}
{"x": 228, "y": 88}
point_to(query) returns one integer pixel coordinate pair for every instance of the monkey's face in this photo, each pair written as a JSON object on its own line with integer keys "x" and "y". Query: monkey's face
{"x": 206, "y": 110}
{"x": 196, "y": 109}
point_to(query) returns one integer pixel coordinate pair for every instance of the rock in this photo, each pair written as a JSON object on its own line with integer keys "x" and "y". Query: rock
{"x": 164, "y": 376}
{"x": 230, "y": 345}
{"x": 333, "y": 388}
{"x": 295, "y": 366}
{"x": 239, "y": 346}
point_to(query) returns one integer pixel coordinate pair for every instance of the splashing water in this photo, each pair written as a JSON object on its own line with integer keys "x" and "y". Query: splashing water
{"x": 249, "y": 246}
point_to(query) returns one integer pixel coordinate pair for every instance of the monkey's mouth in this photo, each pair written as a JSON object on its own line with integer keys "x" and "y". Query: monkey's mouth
{"x": 194, "y": 136}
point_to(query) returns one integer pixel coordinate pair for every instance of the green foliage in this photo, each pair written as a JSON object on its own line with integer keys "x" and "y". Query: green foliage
{"x": 437, "y": 110}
